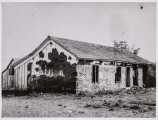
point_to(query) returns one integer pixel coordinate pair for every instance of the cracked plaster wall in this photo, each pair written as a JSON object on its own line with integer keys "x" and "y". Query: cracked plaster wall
{"x": 106, "y": 78}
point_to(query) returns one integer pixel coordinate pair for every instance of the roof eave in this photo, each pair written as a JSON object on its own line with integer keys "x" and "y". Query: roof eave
{"x": 108, "y": 60}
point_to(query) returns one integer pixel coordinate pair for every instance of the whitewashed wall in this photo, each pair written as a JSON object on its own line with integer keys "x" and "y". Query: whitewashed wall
{"x": 21, "y": 72}
{"x": 47, "y": 49}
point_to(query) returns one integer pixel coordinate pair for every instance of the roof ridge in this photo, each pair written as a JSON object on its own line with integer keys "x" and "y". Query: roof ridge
{"x": 105, "y": 51}
{"x": 82, "y": 42}
{"x": 123, "y": 52}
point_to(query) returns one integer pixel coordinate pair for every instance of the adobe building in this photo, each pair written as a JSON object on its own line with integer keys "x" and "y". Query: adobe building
{"x": 97, "y": 67}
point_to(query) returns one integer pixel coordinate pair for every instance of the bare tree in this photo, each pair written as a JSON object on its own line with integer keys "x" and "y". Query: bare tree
{"x": 124, "y": 45}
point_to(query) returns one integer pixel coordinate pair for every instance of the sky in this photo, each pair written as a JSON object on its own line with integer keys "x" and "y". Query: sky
{"x": 26, "y": 25}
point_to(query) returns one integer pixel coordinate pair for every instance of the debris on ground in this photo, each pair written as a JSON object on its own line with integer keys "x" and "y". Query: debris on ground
{"x": 70, "y": 111}
{"x": 60, "y": 105}
{"x": 133, "y": 102}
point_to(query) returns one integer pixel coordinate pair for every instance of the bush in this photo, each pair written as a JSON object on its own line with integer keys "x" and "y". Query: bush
{"x": 150, "y": 75}
{"x": 53, "y": 84}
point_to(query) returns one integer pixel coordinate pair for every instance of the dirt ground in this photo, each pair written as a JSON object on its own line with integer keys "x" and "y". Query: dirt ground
{"x": 125, "y": 103}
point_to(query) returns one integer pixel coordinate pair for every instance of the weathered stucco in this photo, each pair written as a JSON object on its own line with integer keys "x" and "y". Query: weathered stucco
{"x": 84, "y": 76}
{"x": 106, "y": 78}
{"x": 131, "y": 76}
{"x": 140, "y": 77}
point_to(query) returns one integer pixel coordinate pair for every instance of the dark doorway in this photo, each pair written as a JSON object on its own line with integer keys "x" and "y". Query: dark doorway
{"x": 95, "y": 74}
{"x": 128, "y": 77}
{"x": 145, "y": 76}
{"x": 118, "y": 75}
{"x": 135, "y": 76}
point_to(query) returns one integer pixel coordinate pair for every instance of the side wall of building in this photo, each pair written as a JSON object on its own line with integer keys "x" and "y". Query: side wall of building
{"x": 107, "y": 78}
{"x": 20, "y": 76}
{"x": 7, "y": 81}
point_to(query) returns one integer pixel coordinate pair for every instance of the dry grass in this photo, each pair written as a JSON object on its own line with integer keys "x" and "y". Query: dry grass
{"x": 126, "y": 103}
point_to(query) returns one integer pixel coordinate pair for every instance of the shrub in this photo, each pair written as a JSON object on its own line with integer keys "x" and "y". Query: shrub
{"x": 59, "y": 83}
{"x": 150, "y": 75}
{"x": 42, "y": 63}
{"x": 53, "y": 84}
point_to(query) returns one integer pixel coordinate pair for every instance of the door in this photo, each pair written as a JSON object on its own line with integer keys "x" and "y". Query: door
{"x": 128, "y": 77}
{"x": 135, "y": 76}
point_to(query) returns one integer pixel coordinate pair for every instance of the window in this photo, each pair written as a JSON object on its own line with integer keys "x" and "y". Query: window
{"x": 11, "y": 71}
{"x": 69, "y": 58}
{"x": 41, "y": 54}
{"x": 95, "y": 74}
{"x": 118, "y": 75}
